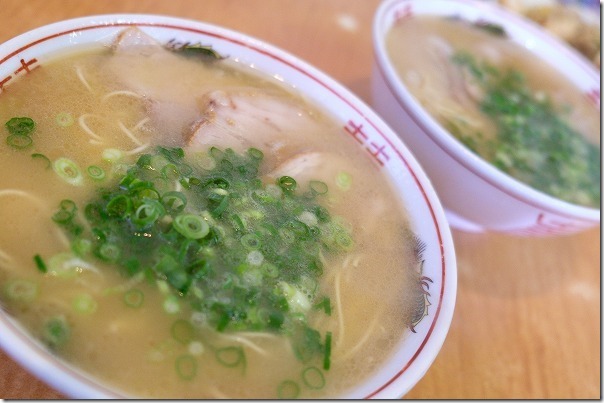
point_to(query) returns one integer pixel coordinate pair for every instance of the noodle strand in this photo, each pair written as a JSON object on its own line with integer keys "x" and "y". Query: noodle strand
{"x": 140, "y": 124}
{"x": 84, "y": 126}
{"x": 120, "y": 92}
{"x": 5, "y": 258}
{"x": 366, "y": 334}
{"x": 129, "y": 133}
{"x": 21, "y": 193}
{"x": 83, "y": 79}
{"x": 339, "y": 309}
{"x": 247, "y": 342}
{"x": 137, "y": 150}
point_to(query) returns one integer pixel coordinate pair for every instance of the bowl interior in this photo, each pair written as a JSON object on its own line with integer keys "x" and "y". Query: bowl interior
{"x": 523, "y": 32}
{"x": 418, "y": 350}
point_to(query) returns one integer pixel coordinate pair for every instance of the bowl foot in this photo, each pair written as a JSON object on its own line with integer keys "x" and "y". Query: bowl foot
{"x": 459, "y": 223}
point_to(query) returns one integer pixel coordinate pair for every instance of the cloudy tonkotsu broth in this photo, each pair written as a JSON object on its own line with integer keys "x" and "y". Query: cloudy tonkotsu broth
{"x": 144, "y": 323}
{"x": 502, "y": 102}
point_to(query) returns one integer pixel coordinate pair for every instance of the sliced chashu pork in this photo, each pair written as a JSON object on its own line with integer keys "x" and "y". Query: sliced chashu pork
{"x": 326, "y": 167}
{"x": 248, "y": 117}
{"x": 135, "y": 61}
{"x": 235, "y": 117}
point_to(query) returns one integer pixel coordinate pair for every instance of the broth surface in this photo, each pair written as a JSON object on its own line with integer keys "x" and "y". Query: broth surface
{"x": 97, "y": 100}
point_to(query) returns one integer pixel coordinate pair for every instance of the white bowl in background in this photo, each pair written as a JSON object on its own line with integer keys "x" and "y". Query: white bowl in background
{"x": 417, "y": 351}
{"x": 477, "y": 196}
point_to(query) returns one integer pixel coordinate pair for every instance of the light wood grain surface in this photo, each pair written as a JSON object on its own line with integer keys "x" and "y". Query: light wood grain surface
{"x": 527, "y": 320}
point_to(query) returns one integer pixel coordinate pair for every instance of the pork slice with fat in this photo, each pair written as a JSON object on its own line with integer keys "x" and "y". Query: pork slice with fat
{"x": 248, "y": 117}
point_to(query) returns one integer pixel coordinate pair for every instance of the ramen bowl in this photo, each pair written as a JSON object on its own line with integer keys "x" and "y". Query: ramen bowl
{"x": 433, "y": 277}
{"x": 477, "y": 196}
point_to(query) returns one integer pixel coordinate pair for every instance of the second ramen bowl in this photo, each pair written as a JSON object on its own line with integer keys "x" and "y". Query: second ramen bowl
{"x": 477, "y": 196}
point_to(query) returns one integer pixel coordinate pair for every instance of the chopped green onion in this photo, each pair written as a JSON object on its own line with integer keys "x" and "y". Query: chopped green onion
{"x": 325, "y": 304}
{"x": 186, "y": 367}
{"x": 56, "y": 331}
{"x": 288, "y": 390}
{"x": 191, "y": 226}
{"x": 163, "y": 287}
{"x": 40, "y": 264}
{"x": 62, "y": 217}
{"x": 147, "y": 213}
{"x": 81, "y": 246}
{"x": 269, "y": 270}
{"x": 195, "y": 348}
{"x": 134, "y": 298}
{"x": 308, "y": 218}
{"x": 238, "y": 223}
{"x": 119, "y": 206}
{"x": 251, "y": 241}
{"x": 216, "y": 153}
{"x": 343, "y": 240}
{"x": 255, "y": 153}
{"x": 85, "y": 304}
{"x": 96, "y": 172}
{"x": 42, "y": 157}
{"x": 223, "y": 232}
{"x": 21, "y": 290}
{"x": 274, "y": 191}
{"x": 170, "y": 171}
{"x": 222, "y": 205}
{"x": 64, "y": 119}
{"x": 299, "y": 229}
{"x": 255, "y": 258}
{"x": 109, "y": 252}
{"x": 205, "y": 162}
{"x": 296, "y": 299}
{"x": 321, "y": 213}
{"x": 344, "y": 180}
{"x": 492, "y": 28}
{"x": 19, "y": 141}
{"x": 20, "y": 126}
{"x": 263, "y": 196}
{"x": 195, "y": 50}
{"x": 231, "y": 356}
{"x": 287, "y": 183}
{"x": 313, "y": 378}
{"x": 287, "y": 236}
{"x": 174, "y": 154}
{"x": 174, "y": 202}
{"x": 318, "y": 187}
{"x": 68, "y": 205}
{"x": 67, "y": 265}
{"x": 182, "y": 331}
{"x": 171, "y": 304}
{"x": 327, "y": 355}
{"x": 68, "y": 171}
{"x": 534, "y": 138}
{"x": 112, "y": 155}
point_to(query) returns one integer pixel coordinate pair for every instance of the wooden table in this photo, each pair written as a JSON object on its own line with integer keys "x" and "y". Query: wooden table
{"x": 527, "y": 320}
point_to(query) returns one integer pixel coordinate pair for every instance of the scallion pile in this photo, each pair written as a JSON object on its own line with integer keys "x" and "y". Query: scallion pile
{"x": 242, "y": 254}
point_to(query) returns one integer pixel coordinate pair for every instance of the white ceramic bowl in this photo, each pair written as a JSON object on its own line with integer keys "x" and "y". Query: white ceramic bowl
{"x": 417, "y": 351}
{"x": 476, "y": 195}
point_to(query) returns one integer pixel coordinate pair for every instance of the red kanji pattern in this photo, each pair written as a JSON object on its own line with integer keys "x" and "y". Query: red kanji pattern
{"x": 26, "y": 67}
{"x": 356, "y": 131}
{"x": 4, "y": 81}
{"x": 549, "y": 226}
{"x": 403, "y": 13}
{"x": 377, "y": 151}
{"x": 594, "y": 96}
